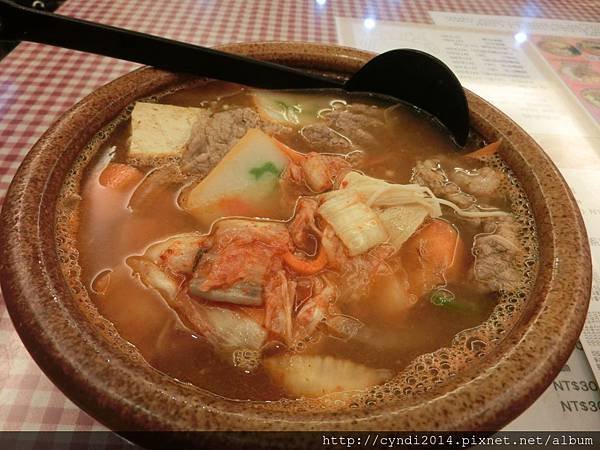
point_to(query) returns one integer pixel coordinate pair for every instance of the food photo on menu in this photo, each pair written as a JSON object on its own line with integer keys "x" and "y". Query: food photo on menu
{"x": 318, "y": 224}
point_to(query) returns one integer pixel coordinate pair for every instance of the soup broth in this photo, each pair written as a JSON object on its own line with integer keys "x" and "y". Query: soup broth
{"x": 392, "y": 312}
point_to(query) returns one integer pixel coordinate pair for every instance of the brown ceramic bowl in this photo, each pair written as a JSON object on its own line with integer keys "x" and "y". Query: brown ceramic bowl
{"x": 83, "y": 355}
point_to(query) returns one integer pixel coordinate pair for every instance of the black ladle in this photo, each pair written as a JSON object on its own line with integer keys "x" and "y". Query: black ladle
{"x": 409, "y": 75}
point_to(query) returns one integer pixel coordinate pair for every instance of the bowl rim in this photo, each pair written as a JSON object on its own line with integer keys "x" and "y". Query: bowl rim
{"x": 33, "y": 289}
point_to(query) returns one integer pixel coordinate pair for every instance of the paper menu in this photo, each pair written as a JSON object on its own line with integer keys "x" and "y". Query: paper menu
{"x": 571, "y": 402}
{"x": 570, "y": 48}
{"x": 512, "y": 74}
{"x": 577, "y": 63}
{"x": 585, "y": 184}
{"x": 493, "y": 65}
{"x": 512, "y": 24}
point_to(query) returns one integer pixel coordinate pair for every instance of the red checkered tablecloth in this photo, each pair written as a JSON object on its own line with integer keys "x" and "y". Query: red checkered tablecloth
{"x": 38, "y": 83}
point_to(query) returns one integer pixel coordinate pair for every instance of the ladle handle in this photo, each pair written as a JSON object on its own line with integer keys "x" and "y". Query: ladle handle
{"x": 18, "y": 23}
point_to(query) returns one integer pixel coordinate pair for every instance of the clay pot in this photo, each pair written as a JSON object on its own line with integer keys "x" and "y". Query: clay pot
{"x": 85, "y": 357}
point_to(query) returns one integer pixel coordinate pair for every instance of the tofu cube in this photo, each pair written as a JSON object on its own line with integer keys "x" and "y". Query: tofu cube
{"x": 160, "y": 130}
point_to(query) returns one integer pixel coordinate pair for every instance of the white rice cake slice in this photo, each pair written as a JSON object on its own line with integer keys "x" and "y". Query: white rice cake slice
{"x": 317, "y": 375}
{"x": 160, "y": 130}
{"x": 244, "y": 183}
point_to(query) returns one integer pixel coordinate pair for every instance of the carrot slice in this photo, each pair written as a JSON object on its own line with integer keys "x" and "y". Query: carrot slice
{"x": 305, "y": 266}
{"x": 294, "y": 155}
{"x": 432, "y": 256}
{"x": 120, "y": 176}
{"x": 487, "y": 151}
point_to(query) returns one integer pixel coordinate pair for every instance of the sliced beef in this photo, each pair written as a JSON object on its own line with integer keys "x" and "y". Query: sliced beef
{"x": 343, "y": 129}
{"x": 431, "y": 174}
{"x": 359, "y": 123}
{"x": 213, "y": 135}
{"x": 498, "y": 255}
{"x": 325, "y": 139}
{"x": 482, "y": 183}
{"x": 276, "y": 129}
